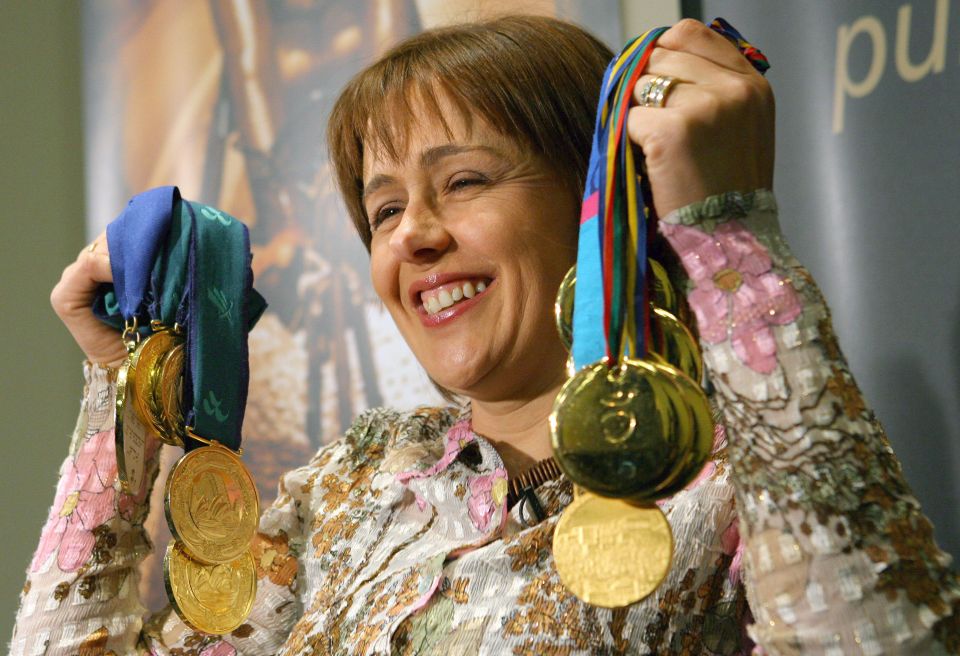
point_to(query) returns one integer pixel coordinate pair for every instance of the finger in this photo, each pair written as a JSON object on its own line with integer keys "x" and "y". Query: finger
{"x": 80, "y": 280}
{"x": 695, "y": 38}
{"x": 684, "y": 66}
{"x": 98, "y": 244}
{"x": 95, "y": 264}
{"x": 680, "y": 94}
{"x": 95, "y": 260}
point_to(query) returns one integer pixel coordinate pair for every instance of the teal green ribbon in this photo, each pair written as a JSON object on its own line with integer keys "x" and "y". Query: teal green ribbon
{"x": 221, "y": 306}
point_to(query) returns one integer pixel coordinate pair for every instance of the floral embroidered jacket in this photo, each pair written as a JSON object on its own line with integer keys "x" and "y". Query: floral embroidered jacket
{"x": 396, "y": 539}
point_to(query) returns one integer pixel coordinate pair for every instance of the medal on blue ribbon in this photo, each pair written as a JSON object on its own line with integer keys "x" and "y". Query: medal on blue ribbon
{"x": 630, "y": 423}
{"x": 135, "y": 239}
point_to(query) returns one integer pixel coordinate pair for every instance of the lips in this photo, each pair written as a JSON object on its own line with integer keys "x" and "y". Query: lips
{"x": 442, "y": 296}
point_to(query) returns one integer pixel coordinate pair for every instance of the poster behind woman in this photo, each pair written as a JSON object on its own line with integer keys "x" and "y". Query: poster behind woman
{"x": 229, "y": 100}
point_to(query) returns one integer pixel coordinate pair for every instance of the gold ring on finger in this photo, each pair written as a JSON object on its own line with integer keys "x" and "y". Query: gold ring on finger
{"x": 92, "y": 247}
{"x": 654, "y": 93}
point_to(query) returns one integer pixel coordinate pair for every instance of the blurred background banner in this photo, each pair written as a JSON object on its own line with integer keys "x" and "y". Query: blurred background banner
{"x": 868, "y": 181}
{"x": 229, "y": 101}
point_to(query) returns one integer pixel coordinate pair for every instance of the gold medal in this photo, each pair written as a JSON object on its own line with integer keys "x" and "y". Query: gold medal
{"x": 166, "y": 396}
{"x": 620, "y": 431}
{"x": 212, "y": 504}
{"x": 563, "y": 308}
{"x": 663, "y": 294}
{"x": 145, "y": 369}
{"x": 610, "y": 553}
{"x": 676, "y": 344}
{"x": 130, "y": 433}
{"x": 213, "y": 599}
{"x": 661, "y": 289}
{"x": 701, "y": 431}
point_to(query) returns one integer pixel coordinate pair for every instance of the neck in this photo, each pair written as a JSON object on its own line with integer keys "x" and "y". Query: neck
{"x": 518, "y": 429}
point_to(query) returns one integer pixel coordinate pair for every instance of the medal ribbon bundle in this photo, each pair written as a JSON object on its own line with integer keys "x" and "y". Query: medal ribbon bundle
{"x": 632, "y": 425}
{"x": 183, "y": 294}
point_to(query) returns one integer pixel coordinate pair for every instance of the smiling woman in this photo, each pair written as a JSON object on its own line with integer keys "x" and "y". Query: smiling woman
{"x": 465, "y": 207}
{"x": 462, "y": 156}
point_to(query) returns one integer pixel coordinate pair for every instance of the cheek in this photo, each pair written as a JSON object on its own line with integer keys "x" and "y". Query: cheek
{"x": 383, "y": 275}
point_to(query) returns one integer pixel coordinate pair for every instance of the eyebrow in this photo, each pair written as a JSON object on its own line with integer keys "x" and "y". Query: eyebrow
{"x": 428, "y": 158}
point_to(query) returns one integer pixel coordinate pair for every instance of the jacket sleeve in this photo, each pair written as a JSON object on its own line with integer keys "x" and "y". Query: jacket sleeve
{"x": 839, "y": 557}
{"x": 81, "y": 593}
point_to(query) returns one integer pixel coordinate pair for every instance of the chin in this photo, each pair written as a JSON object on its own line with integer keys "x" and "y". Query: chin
{"x": 462, "y": 382}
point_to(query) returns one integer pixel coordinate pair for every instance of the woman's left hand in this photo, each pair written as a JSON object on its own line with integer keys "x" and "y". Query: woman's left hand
{"x": 715, "y": 132}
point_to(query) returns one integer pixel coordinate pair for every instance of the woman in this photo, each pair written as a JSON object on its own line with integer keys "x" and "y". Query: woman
{"x": 462, "y": 156}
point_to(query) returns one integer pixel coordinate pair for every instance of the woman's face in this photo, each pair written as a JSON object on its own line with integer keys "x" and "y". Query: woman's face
{"x": 471, "y": 238}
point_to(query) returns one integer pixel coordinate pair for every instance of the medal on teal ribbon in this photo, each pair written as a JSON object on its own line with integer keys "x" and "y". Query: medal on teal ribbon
{"x": 184, "y": 296}
{"x": 211, "y": 501}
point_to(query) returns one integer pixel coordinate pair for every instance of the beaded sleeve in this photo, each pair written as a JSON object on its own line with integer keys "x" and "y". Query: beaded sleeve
{"x": 839, "y": 557}
{"x": 81, "y": 593}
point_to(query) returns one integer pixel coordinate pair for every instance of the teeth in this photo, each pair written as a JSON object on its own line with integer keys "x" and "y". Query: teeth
{"x": 447, "y": 297}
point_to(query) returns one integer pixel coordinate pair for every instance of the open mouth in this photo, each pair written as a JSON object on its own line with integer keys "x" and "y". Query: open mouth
{"x": 439, "y": 298}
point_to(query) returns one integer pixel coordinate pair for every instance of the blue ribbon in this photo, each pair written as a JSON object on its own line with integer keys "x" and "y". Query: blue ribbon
{"x": 134, "y": 239}
{"x": 162, "y": 261}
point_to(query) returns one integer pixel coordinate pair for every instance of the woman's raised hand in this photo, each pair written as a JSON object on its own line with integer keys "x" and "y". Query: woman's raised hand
{"x": 715, "y": 132}
{"x": 72, "y": 299}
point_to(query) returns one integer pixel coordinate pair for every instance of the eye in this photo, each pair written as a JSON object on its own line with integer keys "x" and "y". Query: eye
{"x": 463, "y": 181}
{"x": 384, "y": 213}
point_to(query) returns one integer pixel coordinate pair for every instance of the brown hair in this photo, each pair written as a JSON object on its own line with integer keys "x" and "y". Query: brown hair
{"x": 532, "y": 78}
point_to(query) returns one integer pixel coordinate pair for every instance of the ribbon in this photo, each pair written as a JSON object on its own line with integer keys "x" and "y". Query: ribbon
{"x": 611, "y": 308}
{"x": 178, "y": 262}
{"x": 222, "y": 306}
{"x": 134, "y": 239}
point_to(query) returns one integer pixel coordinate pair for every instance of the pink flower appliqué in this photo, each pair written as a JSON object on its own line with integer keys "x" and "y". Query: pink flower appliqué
{"x": 458, "y": 436}
{"x": 732, "y": 545}
{"x": 84, "y": 501}
{"x": 221, "y": 648}
{"x": 736, "y": 290}
{"x": 487, "y": 493}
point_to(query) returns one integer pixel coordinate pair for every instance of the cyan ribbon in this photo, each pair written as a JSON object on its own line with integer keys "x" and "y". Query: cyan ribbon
{"x": 590, "y": 324}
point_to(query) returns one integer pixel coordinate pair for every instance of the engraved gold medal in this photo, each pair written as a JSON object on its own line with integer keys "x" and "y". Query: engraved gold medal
{"x": 664, "y": 296}
{"x": 563, "y": 307}
{"x": 610, "y": 553}
{"x": 151, "y": 352}
{"x": 618, "y": 431}
{"x": 130, "y": 432}
{"x": 212, "y": 504}
{"x": 700, "y": 445}
{"x": 154, "y": 351}
{"x": 166, "y": 396}
{"x": 676, "y": 344}
{"x": 212, "y": 598}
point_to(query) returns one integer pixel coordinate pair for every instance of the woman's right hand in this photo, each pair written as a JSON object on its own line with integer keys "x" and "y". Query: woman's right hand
{"x": 72, "y": 300}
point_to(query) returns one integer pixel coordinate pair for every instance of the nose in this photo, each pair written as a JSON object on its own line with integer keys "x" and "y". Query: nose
{"x": 421, "y": 236}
